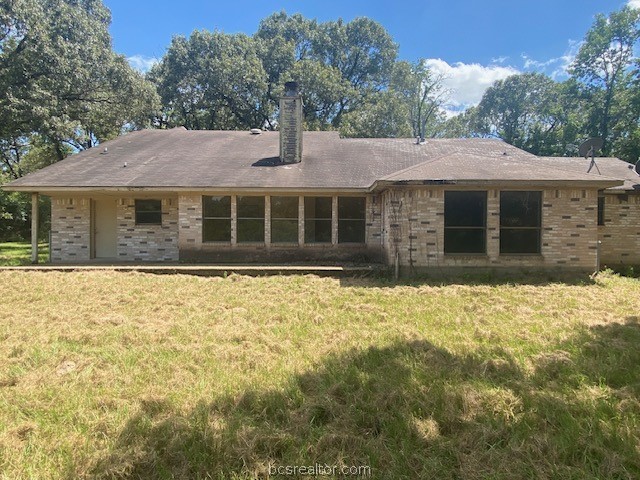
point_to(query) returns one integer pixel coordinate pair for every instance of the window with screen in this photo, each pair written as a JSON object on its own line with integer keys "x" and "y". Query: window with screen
{"x": 216, "y": 219}
{"x": 520, "y": 222}
{"x": 317, "y": 219}
{"x": 284, "y": 219}
{"x": 148, "y": 212}
{"x": 351, "y": 219}
{"x": 465, "y": 222}
{"x": 250, "y": 212}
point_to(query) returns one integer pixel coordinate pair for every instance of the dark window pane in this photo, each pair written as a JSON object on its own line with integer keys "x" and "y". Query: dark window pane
{"x": 216, "y": 230}
{"x": 351, "y": 208}
{"x": 317, "y": 231}
{"x": 465, "y": 215}
{"x": 251, "y": 207}
{"x": 464, "y": 240}
{"x": 250, "y": 230}
{"x": 520, "y": 240}
{"x": 520, "y": 209}
{"x": 284, "y": 207}
{"x": 216, "y": 207}
{"x": 317, "y": 207}
{"x": 351, "y": 231}
{"x": 351, "y": 219}
{"x": 465, "y": 209}
{"x": 284, "y": 231}
{"x": 148, "y": 212}
{"x": 601, "y": 210}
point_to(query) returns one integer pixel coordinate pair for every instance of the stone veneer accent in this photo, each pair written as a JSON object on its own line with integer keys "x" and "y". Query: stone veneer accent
{"x": 620, "y": 234}
{"x": 414, "y": 228}
{"x": 70, "y": 229}
{"x": 144, "y": 243}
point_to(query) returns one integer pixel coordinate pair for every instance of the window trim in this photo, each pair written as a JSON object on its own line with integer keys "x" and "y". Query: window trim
{"x": 230, "y": 218}
{"x": 483, "y": 228}
{"x": 135, "y": 211}
{"x": 538, "y": 228}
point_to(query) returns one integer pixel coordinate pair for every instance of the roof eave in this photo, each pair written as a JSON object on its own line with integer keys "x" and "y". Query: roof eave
{"x": 181, "y": 189}
{"x": 600, "y": 184}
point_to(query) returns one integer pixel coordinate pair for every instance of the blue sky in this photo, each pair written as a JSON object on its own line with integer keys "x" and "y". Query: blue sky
{"x": 472, "y": 42}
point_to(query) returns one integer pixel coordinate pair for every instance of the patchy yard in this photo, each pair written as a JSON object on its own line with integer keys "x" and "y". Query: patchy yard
{"x": 19, "y": 253}
{"x": 112, "y": 375}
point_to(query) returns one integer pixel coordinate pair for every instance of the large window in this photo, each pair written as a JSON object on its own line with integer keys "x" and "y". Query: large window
{"x": 148, "y": 212}
{"x": 351, "y": 219}
{"x": 520, "y": 222}
{"x": 317, "y": 219}
{"x": 250, "y": 219}
{"x": 284, "y": 219}
{"x": 216, "y": 219}
{"x": 465, "y": 222}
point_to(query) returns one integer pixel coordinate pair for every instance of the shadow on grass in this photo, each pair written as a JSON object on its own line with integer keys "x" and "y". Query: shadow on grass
{"x": 472, "y": 278}
{"x": 412, "y": 410}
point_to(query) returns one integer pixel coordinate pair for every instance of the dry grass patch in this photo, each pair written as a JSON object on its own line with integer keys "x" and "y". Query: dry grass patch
{"x": 124, "y": 375}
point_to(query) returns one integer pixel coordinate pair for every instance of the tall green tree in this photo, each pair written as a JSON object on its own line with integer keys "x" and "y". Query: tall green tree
{"x": 60, "y": 79}
{"x": 424, "y": 94}
{"x": 211, "y": 81}
{"x": 214, "y": 80}
{"x": 603, "y": 66}
{"x": 530, "y": 111}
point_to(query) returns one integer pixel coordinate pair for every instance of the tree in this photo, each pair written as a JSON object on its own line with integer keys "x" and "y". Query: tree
{"x": 424, "y": 94}
{"x": 59, "y": 78}
{"x": 529, "y": 111}
{"x": 338, "y": 65}
{"x": 383, "y": 115}
{"x": 465, "y": 125}
{"x": 602, "y": 65}
{"x": 211, "y": 81}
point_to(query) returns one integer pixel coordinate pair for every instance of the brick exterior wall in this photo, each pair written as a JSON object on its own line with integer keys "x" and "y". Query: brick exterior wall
{"x": 192, "y": 248}
{"x": 70, "y": 229}
{"x": 409, "y": 221}
{"x": 147, "y": 243}
{"x": 620, "y": 234}
{"x": 413, "y": 228}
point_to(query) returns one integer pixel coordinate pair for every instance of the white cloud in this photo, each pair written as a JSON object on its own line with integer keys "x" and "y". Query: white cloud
{"x": 142, "y": 63}
{"x": 467, "y": 82}
{"x": 634, "y": 3}
{"x": 502, "y": 59}
{"x": 556, "y": 67}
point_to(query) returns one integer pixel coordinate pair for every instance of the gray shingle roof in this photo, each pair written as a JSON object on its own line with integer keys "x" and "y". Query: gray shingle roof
{"x": 234, "y": 159}
{"x": 604, "y": 166}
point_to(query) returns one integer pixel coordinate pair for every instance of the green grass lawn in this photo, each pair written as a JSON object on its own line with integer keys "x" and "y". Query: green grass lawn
{"x": 125, "y": 375}
{"x": 19, "y": 253}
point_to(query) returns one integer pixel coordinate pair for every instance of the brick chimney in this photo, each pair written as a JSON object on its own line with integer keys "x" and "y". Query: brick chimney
{"x": 291, "y": 124}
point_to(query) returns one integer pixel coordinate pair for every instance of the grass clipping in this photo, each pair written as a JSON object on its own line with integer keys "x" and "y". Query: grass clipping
{"x": 114, "y": 375}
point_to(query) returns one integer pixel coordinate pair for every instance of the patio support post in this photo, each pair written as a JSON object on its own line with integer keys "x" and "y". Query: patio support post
{"x": 34, "y": 227}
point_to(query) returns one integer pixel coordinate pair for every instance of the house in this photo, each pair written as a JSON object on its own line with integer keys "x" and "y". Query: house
{"x": 291, "y": 196}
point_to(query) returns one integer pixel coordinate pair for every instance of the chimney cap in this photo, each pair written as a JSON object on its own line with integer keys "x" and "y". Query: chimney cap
{"x": 291, "y": 89}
